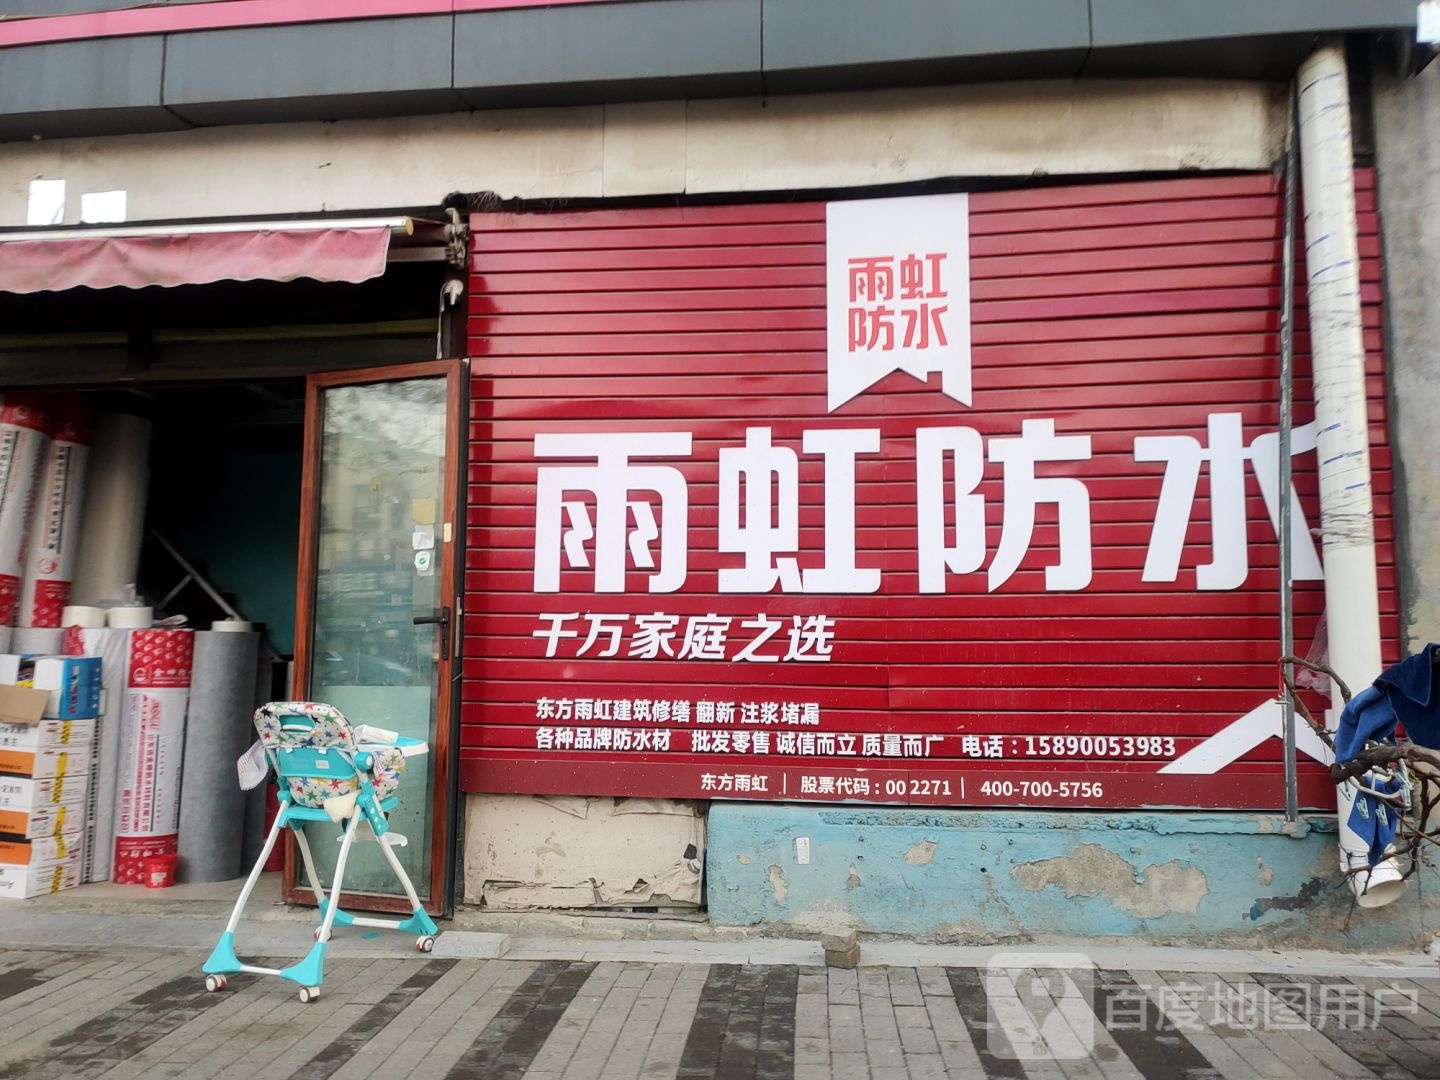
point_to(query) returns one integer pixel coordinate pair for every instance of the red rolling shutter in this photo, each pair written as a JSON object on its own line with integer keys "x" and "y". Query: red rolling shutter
{"x": 1115, "y": 310}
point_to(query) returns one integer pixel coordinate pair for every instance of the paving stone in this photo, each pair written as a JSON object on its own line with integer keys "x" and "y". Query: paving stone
{"x": 843, "y": 987}
{"x": 1192, "y": 1007}
{"x": 847, "y": 1035}
{"x": 919, "y": 1040}
{"x": 905, "y": 987}
{"x": 873, "y": 982}
{"x": 1292, "y": 1038}
{"x": 813, "y": 1050}
{"x": 142, "y": 1014}
{"x": 812, "y": 982}
{"x": 878, "y": 1020}
{"x": 884, "y": 1053}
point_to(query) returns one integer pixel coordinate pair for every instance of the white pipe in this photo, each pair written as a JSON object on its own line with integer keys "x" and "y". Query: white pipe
{"x": 1337, "y": 350}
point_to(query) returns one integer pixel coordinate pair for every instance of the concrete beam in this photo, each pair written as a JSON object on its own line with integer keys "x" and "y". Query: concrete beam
{"x": 738, "y": 145}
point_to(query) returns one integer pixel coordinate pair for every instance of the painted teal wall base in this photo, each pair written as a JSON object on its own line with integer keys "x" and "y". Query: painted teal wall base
{"x": 988, "y": 876}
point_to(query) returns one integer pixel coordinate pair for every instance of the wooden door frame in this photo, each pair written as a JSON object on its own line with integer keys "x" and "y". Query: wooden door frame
{"x": 444, "y": 749}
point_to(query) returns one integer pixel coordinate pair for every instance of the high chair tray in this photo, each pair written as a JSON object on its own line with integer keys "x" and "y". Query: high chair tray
{"x": 407, "y": 746}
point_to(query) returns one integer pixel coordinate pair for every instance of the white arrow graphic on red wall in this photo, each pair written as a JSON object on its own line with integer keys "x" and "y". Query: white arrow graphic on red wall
{"x": 1236, "y": 739}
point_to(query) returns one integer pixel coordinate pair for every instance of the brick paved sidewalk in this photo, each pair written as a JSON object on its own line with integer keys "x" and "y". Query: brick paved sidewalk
{"x": 144, "y": 1013}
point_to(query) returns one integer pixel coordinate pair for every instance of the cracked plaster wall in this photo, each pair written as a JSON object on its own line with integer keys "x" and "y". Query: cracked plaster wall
{"x": 966, "y": 876}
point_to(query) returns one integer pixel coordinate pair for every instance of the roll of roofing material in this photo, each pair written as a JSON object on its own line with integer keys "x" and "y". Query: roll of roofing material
{"x": 40, "y": 640}
{"x": 217, "y": 731}
{"x": 24, "y": 437}
{"x": 112, "y": 646}
{"x": 152, "y": 745}
{"x": 55, "y": 525}
{"x": 114, "y": 508}
{"x": 131, "y": 618}
{"x": 86, "y": 618}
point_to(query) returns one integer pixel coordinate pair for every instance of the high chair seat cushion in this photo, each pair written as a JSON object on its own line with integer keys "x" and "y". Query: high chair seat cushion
{"x": 314, "y": 790}
{"x": 288, "y": 726}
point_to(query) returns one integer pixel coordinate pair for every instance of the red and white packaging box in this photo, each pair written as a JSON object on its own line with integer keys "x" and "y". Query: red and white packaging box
{"x": 47, "y": 763}
{"x": 40, "y": 879}
{"x": 20, "y": 743}
{"x": 50, "y": 806}
{"x": 40, "y": 850}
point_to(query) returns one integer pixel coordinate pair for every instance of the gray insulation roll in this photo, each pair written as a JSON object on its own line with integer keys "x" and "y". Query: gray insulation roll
{"x": 217, "y": 731}
{"x": 256, "y": 800}
{"x": 112, "y": 520}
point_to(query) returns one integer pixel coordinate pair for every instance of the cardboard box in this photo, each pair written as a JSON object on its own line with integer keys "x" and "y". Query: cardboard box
{"x": 48, "y": 735}
{"x": 74, "y": 685}
{"x": 25, "y": 792}
{"x": 45, "y": 819}
{"x": 39, "y": 851}
{"x": 46, "y": 762}
{"x": 21, "y": 704}
{"x": 22, "y": 882}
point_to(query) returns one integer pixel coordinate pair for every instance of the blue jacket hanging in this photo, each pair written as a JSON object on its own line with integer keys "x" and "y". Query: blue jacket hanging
{"x": 1403, "y": 694}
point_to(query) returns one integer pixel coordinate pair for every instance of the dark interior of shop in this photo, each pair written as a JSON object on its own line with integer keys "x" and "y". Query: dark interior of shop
{"x": 219, "y": 370}
{"x": 225, "y": 465}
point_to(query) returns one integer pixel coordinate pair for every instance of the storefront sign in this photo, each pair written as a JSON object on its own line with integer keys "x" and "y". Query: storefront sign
{"x": 947, "y": 500}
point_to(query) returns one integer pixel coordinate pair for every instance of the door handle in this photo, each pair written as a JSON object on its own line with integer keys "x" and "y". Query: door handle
{"x": 442, "y": 617}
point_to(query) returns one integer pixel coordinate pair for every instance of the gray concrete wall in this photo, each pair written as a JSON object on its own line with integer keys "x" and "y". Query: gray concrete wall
{"x": 1407, "y": 134}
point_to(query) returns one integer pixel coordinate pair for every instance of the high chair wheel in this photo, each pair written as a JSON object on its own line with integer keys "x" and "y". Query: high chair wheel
{"x": 309, "y": 994}
{"x": 316, "y": 934}
{"x": 214, "y": 983}
{"x": 425, "y": 944}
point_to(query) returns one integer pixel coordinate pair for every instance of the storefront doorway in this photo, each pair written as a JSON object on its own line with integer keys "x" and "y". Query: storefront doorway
{"x": 241, "y": 465}
{"x": 377, "y": 605}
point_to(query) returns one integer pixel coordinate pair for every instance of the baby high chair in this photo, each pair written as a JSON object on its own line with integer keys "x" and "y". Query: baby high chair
{"x": 323, "y": 774}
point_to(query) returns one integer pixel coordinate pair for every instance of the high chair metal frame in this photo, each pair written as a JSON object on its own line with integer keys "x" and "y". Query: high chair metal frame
{"x": 322, "y": 775}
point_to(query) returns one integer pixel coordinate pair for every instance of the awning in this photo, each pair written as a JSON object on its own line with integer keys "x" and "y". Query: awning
{"x": 54, "y": 260}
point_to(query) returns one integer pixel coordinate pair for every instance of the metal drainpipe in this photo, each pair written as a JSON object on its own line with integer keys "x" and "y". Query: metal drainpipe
{"x": 1287, "y": 387}
{"x": 1337, "y": 351}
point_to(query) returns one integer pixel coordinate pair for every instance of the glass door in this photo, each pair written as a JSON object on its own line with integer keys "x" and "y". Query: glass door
{"x": 378, "y": 606}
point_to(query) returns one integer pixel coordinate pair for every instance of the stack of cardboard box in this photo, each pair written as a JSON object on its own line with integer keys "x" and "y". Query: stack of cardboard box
{"x": 48, "y": 711}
